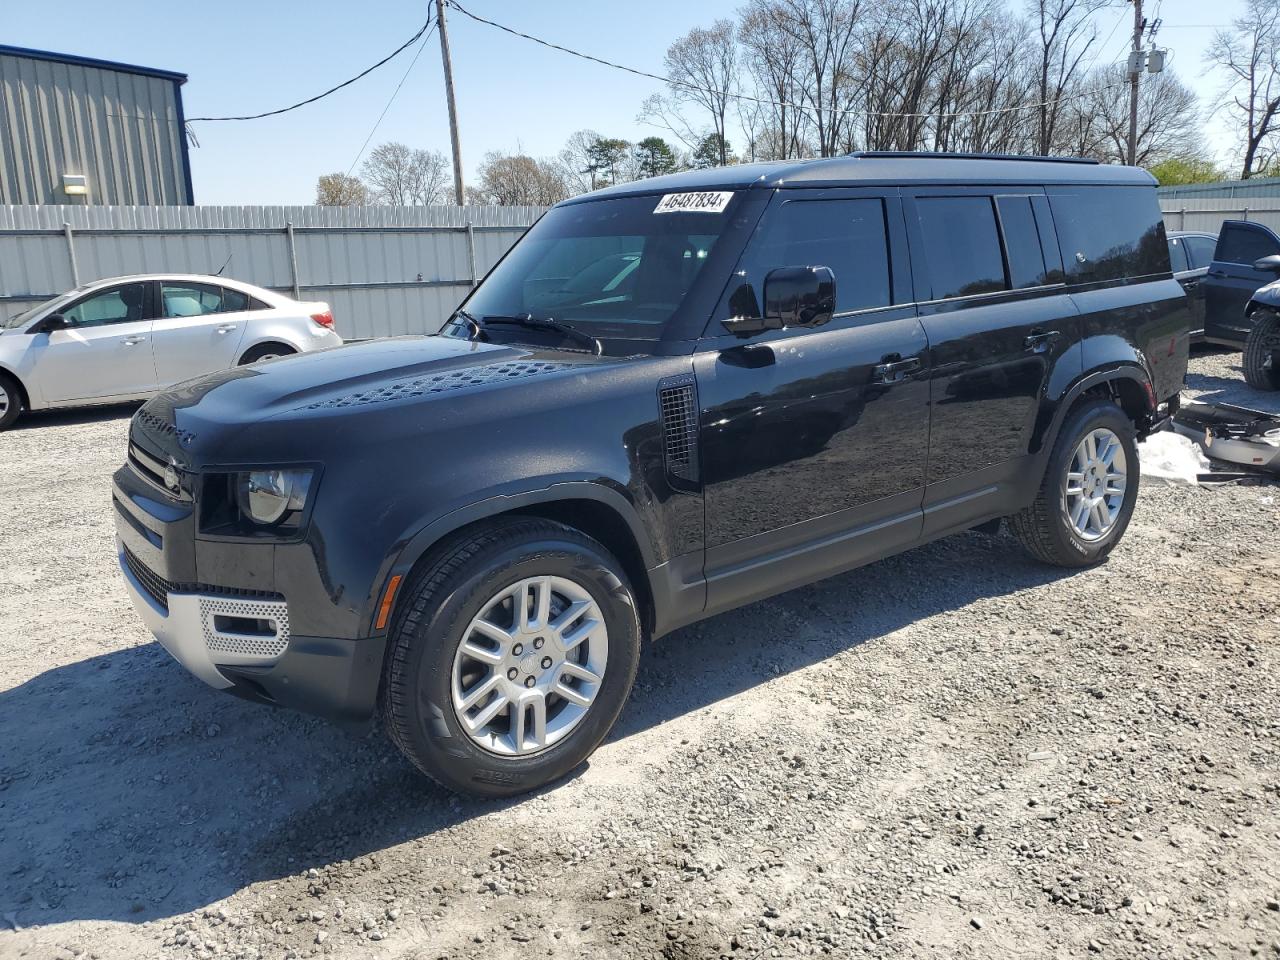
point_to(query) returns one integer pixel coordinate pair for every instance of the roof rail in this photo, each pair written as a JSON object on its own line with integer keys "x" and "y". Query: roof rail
{"x": 919, "y": 154}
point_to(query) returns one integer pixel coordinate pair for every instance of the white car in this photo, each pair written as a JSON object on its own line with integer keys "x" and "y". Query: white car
{"x": 127, "y": 338}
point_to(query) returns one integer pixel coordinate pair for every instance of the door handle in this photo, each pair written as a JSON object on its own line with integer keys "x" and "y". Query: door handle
{"x": 133, "y": 341}
{"x": 1039, "y": 339}
{"x": 226, "y": 328}
{"x": 893, "y": 369}
{"x": 1217, "y": 273}
{"x": 1190, "y": 284}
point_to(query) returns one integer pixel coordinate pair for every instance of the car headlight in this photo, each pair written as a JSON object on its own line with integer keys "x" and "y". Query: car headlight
{"x": 268, "y": 497}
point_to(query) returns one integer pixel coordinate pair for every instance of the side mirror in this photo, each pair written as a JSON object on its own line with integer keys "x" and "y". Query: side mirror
{"x": 1269, "y": 264}
{"x": 800, "y": 296}
{"x": 55, "y": 321}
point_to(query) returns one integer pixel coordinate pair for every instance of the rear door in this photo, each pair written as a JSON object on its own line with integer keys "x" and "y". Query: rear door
{"x": 988, "y": 275}
{"x": 1232, "y": 279}
{"x": 104, "y": 351}
{"x": 199, "y": 329}
{"x": 1191, "y": 277}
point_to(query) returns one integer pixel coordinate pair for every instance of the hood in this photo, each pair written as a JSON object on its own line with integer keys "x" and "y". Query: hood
{"x": 376, "y": 373}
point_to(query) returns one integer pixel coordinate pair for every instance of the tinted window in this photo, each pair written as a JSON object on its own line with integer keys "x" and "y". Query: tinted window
{"x": 234, "y": 300}
{"x": 1199, "y": 250}
{"x": 1178, "y": 254}
{"x": 848, "y": 236}
{"x": 962, "y": 246}
{"x": 189, "y": 299}
{"x": 1021, "y": 242}
{"x": 1109, "y": 233}
{"x": 117, "y": 305}
{"x": 1244, "y": 245}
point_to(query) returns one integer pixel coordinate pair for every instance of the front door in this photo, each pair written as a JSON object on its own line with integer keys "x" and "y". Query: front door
{"x": 1232, "y": 279}
{"x": 199, "y": 329}
{"x": 104, "y": 350}
{"x": 814, "y": 439}
{"x": 988, "y": 274}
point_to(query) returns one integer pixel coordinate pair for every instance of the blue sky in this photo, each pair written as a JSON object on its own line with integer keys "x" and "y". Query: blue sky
{"x": 246, "y": 57}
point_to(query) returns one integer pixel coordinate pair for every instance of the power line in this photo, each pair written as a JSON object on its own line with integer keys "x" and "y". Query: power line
{"x": 762, "y": 100}
{"x": 321, "y": 96}
{"x": 394, "y": 94}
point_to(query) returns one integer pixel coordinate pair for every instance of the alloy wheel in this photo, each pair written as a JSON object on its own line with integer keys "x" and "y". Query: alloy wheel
{"x": 1096, "y": 480}
{"x": 529, "y": 666}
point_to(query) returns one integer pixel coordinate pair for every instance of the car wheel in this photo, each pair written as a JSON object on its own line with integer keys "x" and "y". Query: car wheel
{"x": 1088, "y": 491}
{"x": 266, "y": 351}
{"x": 510, "y": 657}
{"x": 1261, "y": 359}
{"x": 10, "y": 402}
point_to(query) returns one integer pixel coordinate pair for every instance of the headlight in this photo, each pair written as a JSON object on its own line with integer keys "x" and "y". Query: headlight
{"x": 267, "y": 497}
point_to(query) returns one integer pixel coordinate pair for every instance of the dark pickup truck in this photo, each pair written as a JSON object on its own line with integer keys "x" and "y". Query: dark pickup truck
{"x": 669, "y": 399}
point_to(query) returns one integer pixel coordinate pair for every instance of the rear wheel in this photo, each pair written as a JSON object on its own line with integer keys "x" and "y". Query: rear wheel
{"x": 1088, "y": 491}
{"x": 1261, "y": 359}
{"x": 10, "y": 401}
{"x": 266, "y": 351}
{"x": 510, "y": 658}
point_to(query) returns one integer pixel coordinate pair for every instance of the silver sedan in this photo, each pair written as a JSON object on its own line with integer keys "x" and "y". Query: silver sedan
{"x": 127, "y": 338}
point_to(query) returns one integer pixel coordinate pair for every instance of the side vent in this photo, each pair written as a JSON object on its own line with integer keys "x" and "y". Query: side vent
{"x": 678, "y": 402}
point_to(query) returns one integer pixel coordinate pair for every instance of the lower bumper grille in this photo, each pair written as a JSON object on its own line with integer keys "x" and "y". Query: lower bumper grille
{"x": 158, "y": 588}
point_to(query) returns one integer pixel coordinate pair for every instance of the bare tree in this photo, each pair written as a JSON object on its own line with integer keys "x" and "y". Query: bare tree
{"x": 1249, "y": 53}
{"x": 1168, "y": 118}
{"x": 400, "y": 176}
{"x": 702, "y": 67}
{"x": 576, "y": 162}
{"x": 825, "y": 31}
{"x": 518, "y": 179}
{"x": 340, "y": 190}
{"x": 773, "y": 56}
{"x": 1066, "y": 33}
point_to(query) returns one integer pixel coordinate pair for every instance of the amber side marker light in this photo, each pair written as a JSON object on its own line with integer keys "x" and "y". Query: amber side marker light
{"x": 388, "y": 598}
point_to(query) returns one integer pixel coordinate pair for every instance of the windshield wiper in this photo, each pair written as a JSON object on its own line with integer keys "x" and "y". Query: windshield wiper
{"x": 530, "y": 322}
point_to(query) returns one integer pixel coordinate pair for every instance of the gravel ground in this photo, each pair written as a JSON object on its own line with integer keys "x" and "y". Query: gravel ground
{"x": 952, "y": 753}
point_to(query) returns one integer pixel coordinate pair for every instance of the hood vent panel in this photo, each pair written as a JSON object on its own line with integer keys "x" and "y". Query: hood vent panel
{"x": 445, "y": 382}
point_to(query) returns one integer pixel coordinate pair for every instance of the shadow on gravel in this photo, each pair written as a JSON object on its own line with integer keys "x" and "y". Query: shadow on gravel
{"x": 129, "y": 791}
{"x": 33, "y": 420}
{"x": 1227, "y": 390}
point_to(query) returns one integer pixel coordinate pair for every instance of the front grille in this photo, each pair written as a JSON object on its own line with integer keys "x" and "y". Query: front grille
{"x": 159, "y": 588}
{"x": 152, "y": 470}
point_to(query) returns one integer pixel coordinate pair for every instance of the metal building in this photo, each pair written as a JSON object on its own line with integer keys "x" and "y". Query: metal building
{"x": 78, "y": 130}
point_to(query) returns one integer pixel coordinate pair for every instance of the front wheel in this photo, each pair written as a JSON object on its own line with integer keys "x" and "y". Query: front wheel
{"x": 1261, "y": 359}
{"x": 511, "y": 657}
{"x": 1088, "y": 491}
{"x": 10, "y": 402}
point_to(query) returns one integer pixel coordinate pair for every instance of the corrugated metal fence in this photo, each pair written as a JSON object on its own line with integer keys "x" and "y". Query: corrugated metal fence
{"x": 384, "y": 270}
{"x": 1206, "y": 215}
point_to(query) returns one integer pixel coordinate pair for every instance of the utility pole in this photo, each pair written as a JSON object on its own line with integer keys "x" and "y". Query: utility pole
{"x": 453, "y": 107}
{"x": 1135, "y": 71}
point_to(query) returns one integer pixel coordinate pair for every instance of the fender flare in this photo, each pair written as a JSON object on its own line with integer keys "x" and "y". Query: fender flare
{"x": 1120, "y": 370}
{"x": 402, "y": 558}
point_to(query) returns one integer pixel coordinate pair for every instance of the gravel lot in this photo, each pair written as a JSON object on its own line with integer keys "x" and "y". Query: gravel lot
{"x": 952, "y": 753}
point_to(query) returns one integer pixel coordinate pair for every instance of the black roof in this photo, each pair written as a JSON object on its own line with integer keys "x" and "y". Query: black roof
{"x": 79, "y": 61}
{"x": 865, "y": 169}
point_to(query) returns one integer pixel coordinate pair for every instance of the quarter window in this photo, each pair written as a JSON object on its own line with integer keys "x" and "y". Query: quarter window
{"x": 118, "y": 305}
{"x": 1199, "y": 250}
{"x": 847, "y": 236}
{"x": 1244, "y": 245}
{"x": 233, "y": 301}
{"x": 1178, "y": 254}
{"x": 1109, "y": 233}
{"x": 962, "y": 246}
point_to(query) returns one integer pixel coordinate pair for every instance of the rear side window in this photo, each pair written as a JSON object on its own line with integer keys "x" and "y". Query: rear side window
{"x": 962, "y": 245}
{"x": 1022, "y": 242}
{"x": 848, "y": 236}
{"x": 233, "y": 301}
{"x": 1199, "y": 250}
{"x": 1239, "y": 244}
{"x": 1109, "y": 233}
{"x": 190, "y": 299}
{"x": 1178, "y": 254}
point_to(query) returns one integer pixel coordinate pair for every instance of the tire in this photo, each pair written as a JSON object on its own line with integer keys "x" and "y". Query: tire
{"x": 424, "y": 697}
{"x": 1261, "y": 359}
{"x": 266, "y": 351}
{"x": 10, "y": 401}
{"x": 1045, "y": 528}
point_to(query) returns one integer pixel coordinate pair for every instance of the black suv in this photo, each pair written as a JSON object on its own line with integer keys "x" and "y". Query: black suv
{"x": 1241, "y": 297}
{"x": 669, "y": 398}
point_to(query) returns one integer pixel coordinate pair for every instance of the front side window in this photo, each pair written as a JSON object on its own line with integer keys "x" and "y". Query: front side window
{"x": 1178, "y": 254}
{"x": 616, "y": 268}
{"x": 1109, "y": 233}
{"x": 962, "y": 246}
{"x": 847, "y": 236}
{"x": 1199, "y": 250}
{"x": 190, "y": 299}
{"x": 1244, "y": 245}
{"x": 126, "y": 304}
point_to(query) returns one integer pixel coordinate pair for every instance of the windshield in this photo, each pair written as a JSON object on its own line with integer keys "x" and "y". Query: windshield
{"x": 18, "y": 319}
{"x": 611, "y": 268}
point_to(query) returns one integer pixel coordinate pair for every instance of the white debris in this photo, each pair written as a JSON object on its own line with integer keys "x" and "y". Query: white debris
{"x": 1170, "y": 456}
